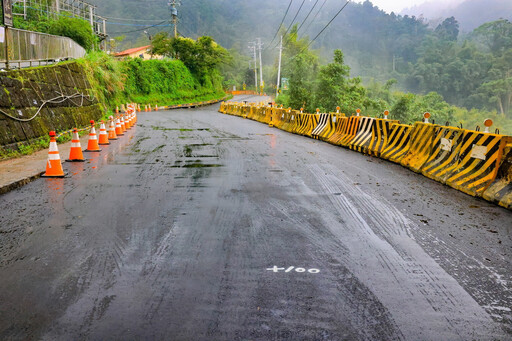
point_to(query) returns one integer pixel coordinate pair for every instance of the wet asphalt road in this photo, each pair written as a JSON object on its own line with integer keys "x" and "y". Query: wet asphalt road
{"x": 203, "y": 226}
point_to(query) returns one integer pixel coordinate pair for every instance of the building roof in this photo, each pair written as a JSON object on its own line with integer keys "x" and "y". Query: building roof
{"x": 132, "y": 51}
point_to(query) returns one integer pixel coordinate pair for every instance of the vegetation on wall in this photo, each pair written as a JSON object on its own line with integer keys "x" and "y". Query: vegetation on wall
{"x": 161, "y": 82}
{"x": 64, "y": 25}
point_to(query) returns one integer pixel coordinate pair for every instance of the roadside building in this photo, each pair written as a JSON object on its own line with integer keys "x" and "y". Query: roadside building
{"x": 143, "y": 52}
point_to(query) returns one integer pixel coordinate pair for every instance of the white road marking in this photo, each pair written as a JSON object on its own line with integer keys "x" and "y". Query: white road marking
{"x": 275, "y": 268}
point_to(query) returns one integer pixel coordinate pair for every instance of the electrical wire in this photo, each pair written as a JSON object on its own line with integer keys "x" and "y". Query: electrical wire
{"x": 128, "y": 19}
{"x": 318, "y": 35}
{"x": 296, "y": 14}
{"x": 144, "y": 28}
{"x": 134, "y": 25}
{"x": 282, "y": 21}
{"x": 316, "y": 15}
{"x": 307, "y": 16}
{"x": 329, "y": 23}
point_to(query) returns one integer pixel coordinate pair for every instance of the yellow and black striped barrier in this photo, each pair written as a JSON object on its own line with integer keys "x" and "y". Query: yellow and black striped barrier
{"x": 361, "y": 141}
{"x": 478, "y": 162}
{"x": 322, "y": 123}
{"x": 353, "y": 125}
{"x": 500, "y": 191}
{"x": 301, "y": 123}
{"x": 445, "y": 154}
{"x": 340, "y": 130}
{"x": 380, "y": 136}
{"x": 330, "y": 127}
{"x": 292, "y": 125}
{"x": 420, "y": 146}
{"x": 398, "y": 143}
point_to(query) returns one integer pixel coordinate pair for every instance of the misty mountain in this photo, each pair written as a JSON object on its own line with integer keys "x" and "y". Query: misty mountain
{"x": 371, "y": 39}
{"x": 469, "y": 13}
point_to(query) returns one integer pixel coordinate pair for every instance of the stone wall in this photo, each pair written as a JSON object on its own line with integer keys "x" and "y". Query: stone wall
{"x": 23, "y": 91}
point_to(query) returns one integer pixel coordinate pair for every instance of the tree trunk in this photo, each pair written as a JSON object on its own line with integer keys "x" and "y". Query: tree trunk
{"x": 500, "y": 102}
{"x": 509, "y": 103}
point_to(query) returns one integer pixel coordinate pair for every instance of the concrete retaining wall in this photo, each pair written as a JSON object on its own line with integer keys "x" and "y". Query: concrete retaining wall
{"x": 23, "y": 91}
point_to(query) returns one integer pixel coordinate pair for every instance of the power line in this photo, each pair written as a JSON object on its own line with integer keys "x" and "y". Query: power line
{"x": 316, "y": 15}
{"x": 135, "y": 25}
{"x": 307, "y": 16}
{"x": 144, "y": 28}
{"x": 129, "y": 19}
{"x": 293, "y": 20}
{"x": 329, "y": 23}
{"x": 296, "y": 14}
{"x": 323, "y": 29}
{"x": 282, "y": 21}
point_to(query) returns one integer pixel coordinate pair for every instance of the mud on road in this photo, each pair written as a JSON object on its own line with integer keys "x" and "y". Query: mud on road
{"x": 198, "y": 225}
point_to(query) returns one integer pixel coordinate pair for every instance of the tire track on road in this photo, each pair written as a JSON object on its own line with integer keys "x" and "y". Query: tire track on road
{"x": 453, "y": 312}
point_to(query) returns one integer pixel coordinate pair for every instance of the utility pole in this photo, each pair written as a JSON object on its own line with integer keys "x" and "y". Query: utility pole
{"x": 279, "y": 67}
{"x": 262, "y": 83}
{"x": 91, "y": 17}
{"x": 174, "y": 13}
{"x": 252, "y": 46}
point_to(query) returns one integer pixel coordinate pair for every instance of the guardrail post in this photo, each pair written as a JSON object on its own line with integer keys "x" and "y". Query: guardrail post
{"x": 6, "y": 35}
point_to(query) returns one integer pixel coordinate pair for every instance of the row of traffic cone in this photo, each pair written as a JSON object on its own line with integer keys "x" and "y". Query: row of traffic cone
{"x": 149, "y": 108}
{"x": 117, "y": 128}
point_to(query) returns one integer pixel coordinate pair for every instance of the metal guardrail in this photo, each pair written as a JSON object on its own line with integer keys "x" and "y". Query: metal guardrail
{"x": 20, "y": 48}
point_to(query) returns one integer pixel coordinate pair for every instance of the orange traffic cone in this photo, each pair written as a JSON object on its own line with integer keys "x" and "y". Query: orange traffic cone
{"x": 150, "y": 107}
{"x": 125, "y": 122}
{"x": 123, "y": 126}
{"x": 146, "y": 108}
{"x": 129, "y": 120}
{"x": 53, "y": 165}
{"x": 103, "y": 137}
{"x": 117, "y": 109}
{"x": 112, "y": 129}
{"x": 119, "y": 129}
{"x": 156, "y": 107}
{"x": 75, "y": 153}
{"x": 92, "y": 144}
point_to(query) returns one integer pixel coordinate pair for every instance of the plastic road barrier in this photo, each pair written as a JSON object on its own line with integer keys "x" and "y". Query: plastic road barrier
{"x": 381, "y": 130}
{"x": 500, "y": 191}
{"x": 398, "y": 143}
{"x": 328, "y": 131}
{"x": 421, "y": 145}
{"x": 353, "y": 125}
{"x": 361, "y": 141}
{"x": 322, "y": 123}
{"x": 445, "y": 154}
{"x": 478, "y": 163}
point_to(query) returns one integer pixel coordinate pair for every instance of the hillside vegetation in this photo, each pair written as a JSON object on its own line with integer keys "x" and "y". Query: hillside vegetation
{"x": 470, "y": 70}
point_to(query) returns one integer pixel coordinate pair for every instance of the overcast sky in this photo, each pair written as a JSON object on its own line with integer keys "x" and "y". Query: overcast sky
{"x": 398, "y": 5}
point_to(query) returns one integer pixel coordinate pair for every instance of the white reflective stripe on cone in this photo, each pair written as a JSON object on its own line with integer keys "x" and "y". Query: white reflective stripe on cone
{"x": 53, "y": 157}
{"x": 53, "y": 147}
{"x": 75, "y": 145}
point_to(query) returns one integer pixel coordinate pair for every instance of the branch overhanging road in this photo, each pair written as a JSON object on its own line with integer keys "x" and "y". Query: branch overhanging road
{"x": 199, "y": 225}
